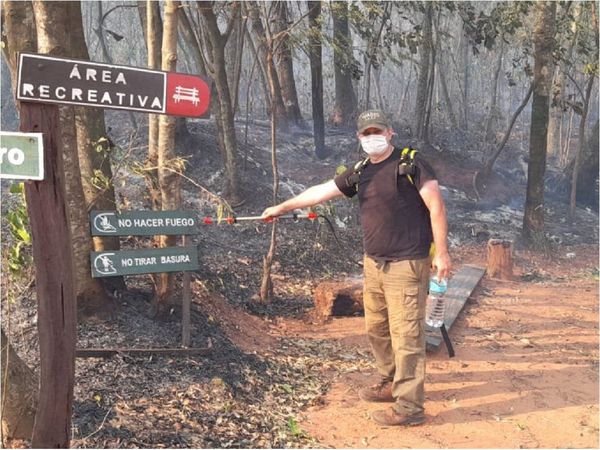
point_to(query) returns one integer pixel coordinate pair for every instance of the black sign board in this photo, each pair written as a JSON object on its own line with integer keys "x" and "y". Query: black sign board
{"x": 143, "y": 223}
{"x": 47, "y": 79}
{"x": 136, "y": 262}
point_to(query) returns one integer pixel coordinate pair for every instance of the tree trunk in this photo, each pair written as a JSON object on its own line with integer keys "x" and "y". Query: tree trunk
{"x": 91, "y": 135}
{"x": 259, "y": 31}
{"x": 338, "y": 298}
{"x": 316, "y": 76}
{"x": 405, "y": 93}
{"x": 487, "y": 170}
{"x": 240, "y": 35}
{"x": 580, "y": 147}
{"x": 51, "y": 238}
{"x": 105, "y": 53}
{"x": 19, "y": 388}
{"x": 18, "y": 34}
{"x": 191, "y": 40}
{"x": 169, "y": 179}
{"x": 424, "y": 81}
{"x": 493, "y": 113}
{"x": 587, "y": 178}
{"x": 143, "y": 13}
{"x": 285, "y": 65}
{"x": 266, "y": 286}
{"x": 216, "y": 49}
{"x": 499, "y": 259}
{"x": 153, "y": 42}
{"x": 377, "y": 78}
{"x": 545, "y": 29}
{"x": 558, "y": 86}
{"x": 261, "y": 66}
{"x": 586, "y": 104}
{"x": 430, "y": 89}
{"x": 371, "y": 55}
{"x": 54, "y": 39}
{"x": 442, "y": 73}
{"x": 566, "y": 148}
{"x": 465, "y": 92}
{"x": 344, "y": 109}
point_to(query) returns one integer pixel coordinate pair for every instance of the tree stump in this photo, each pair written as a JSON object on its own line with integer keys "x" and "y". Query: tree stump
{"x": 338, "y": 298}
{"x": 499, "y": 259}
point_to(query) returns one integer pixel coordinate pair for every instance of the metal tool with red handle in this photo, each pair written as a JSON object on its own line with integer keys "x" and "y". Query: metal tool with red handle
{"x": 233, "y": 219}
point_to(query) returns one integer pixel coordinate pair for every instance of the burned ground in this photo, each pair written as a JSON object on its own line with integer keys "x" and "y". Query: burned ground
{"x": 276, "y": 379}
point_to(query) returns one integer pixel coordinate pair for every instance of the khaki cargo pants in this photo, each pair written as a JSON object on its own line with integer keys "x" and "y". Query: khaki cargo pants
{"x": 394, "y": 299}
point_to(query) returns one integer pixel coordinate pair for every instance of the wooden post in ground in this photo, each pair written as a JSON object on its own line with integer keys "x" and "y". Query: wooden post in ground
{"x": 57, "y": 312}
{"x": 499, "y": 259}
{"x": 185, "y": 307}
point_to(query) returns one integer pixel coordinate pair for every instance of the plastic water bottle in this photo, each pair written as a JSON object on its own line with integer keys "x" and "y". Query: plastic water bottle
{"x": 436, "y": 306}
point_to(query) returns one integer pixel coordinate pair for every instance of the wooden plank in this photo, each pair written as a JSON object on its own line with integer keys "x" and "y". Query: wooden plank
{"x": 106, "y": 352}
{"x": 57, "y": 310}
{"x": 460, "y": 288}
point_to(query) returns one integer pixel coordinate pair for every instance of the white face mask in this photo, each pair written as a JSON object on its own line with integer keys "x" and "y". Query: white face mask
{"x": 374, "y": 144}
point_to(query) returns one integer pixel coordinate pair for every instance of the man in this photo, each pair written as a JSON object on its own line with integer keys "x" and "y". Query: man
{"x": 401, "y": 213}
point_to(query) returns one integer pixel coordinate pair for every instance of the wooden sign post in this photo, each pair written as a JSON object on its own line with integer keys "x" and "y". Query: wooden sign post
{"x": 42, "y": 83}
{"x": 57, "y": 309}
{"x": 131, "y": 262}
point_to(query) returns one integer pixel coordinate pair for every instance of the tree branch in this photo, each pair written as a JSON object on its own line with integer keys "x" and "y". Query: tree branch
{"x": 112, "y": 9}
{"x": 231, "y": 23}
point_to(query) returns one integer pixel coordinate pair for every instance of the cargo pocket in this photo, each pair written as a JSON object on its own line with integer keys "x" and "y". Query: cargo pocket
{"x": 410, "y": 331}
{"x": 412, "y": 309}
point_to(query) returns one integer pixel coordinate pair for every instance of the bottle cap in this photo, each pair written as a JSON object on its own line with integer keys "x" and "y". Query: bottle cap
{"x": 437, "y": 287}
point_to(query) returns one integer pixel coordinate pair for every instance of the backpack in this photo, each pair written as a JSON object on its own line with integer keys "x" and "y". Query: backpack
{"x": 406, "y": 167}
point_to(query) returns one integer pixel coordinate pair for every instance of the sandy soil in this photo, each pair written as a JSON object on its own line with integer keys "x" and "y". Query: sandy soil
{"x": 525, "y": 373}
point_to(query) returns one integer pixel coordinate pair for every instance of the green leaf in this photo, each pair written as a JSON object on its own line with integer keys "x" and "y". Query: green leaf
{"x": 24, "y": 235}
{"x": 17, "y": 188}
{"x": 294, "y": 427}
{"x": 286, "y": 388}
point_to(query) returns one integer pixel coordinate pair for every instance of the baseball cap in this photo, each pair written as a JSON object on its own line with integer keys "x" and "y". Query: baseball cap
{"x": 372, "y": 118}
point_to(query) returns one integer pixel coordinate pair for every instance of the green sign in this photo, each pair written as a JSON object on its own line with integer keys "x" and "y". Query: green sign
{"x": 21, "y": 156}
{"x": 136, "y": 262}
{"x": 143, "y": 223}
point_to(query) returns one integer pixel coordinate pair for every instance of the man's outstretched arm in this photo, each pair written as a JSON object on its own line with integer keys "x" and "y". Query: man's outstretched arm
{"x": 310, "y": 197}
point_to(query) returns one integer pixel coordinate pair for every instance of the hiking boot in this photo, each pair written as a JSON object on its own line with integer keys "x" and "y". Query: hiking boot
{"x": 390, "y": 417}
{"x": 380, "y": 392}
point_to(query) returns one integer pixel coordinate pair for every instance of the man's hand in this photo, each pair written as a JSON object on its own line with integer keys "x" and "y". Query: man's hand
{"x": 272, "y": 212}
{"x": 441, "y": 263}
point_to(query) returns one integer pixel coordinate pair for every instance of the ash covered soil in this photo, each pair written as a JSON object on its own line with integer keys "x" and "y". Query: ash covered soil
{"x": 527, "y": 358}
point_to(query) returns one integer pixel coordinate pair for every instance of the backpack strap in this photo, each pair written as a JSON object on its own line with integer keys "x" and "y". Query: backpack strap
{"x": 406, "y": 166}
{"x": 353, "y": 179}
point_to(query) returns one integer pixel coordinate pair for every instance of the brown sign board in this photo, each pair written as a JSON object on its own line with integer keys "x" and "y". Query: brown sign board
{"x": 47, "y": 79}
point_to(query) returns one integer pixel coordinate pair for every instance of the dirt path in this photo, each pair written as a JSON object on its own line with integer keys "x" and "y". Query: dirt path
{"x": 525, "y": 375}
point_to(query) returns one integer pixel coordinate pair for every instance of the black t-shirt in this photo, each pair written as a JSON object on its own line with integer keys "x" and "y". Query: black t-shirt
{"x": 395, "y": 221}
